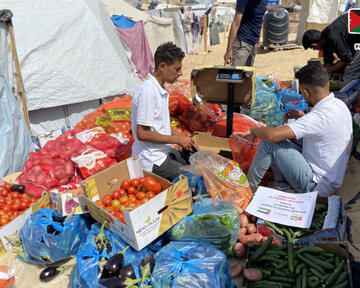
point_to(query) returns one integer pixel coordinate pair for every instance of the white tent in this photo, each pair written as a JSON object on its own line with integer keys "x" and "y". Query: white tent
{"x": 70, "y": 57}
{"x": 158, "y": 30}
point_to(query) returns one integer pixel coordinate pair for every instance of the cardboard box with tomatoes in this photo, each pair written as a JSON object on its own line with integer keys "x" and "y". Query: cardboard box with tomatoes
{"x": 135, "y": 204}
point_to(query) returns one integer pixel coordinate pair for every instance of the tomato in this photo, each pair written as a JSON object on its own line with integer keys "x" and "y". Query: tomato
{"x": 23, "y": 205}
{"x": 141, "y": 180}
{"x": 3, "y": 201}
{"x": 15, "y": 195}
{"x": 2, "y": 213}
{"x": 108, "y": 196}
{"x": 9, "y": 200}
{"x": 113, "y": 212}
{"x": 125, "y": 184}
{"x": 9, "y": 213}
{"x": 140, "y": 195}
{"x": 3, "y": 193}
{"x": 137, "y": 203}
{"x": 25, "y": 196}
{"x": 131, "y": 190}
{"x": 132, "y": 198}
{"x": 150, "y": 194}
{"x": 124, "y": 199}
{"x": 116, "y": 204}
{"x": 120, "y": 217}
{"x": 12, "y": 217}
{"x": 135, "y": 183}
{"x": 144, "y": 200}
{"x": 131, "y": 204}
{"x": 7, "y": 187}
{"x": 149, "y": 183}
{"x": 3, "y": 221}
{"x": 27, "y": 201}
{"x": 157, "y": 188}
{"x": 125, "y": 203}
{"x": 14, "y": 207}
{"x": 17, "y": 213}
{"x": 108, "y": 201}
{"x": 116, "y": 194}
{"x": 33, "y": 200}
{"x": 17, "y": 201}
{"x": 7, "y": 208}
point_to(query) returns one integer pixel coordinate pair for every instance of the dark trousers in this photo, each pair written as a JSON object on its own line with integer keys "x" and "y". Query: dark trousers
{"x": 170, "y": 169}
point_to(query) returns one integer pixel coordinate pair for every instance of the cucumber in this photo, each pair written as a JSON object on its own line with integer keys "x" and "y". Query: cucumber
{"x": 291, "y": 257}
{"x": 303, "y": 277}
{"x": 274, "y": 227}
{"x": 313, "y": 282}
{"x": 299, "y": 268}
{"x": 260, "y": 251}
{"x": 298, "y": 281}
{"x": 316, "y": 273}
{"x": 282, "y": 279}
{"x": 342, "y": 285}
{"x": 319, "y": 262}
{"x": 270, "y": 259}
{"x": 343, "y": 276}
{"x": 310, "y": 249}
{"x": 310, "y": 263}
{"x": 333, "y": 276}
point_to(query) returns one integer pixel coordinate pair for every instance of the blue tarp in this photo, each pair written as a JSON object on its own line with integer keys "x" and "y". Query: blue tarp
{"x": 15, "y": 141}
{"x": 122, "y": 22}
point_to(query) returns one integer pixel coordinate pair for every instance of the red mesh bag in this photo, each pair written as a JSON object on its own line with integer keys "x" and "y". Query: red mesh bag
{"x": 123, "y": 151}
{"x": 178, "y": 103}
{"x": 120, "y": 126}
{"x": 181, "y": 86}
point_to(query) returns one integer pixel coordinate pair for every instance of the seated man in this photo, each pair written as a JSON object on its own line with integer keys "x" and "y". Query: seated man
{"x": 326, "y": 134}
{"x": 336, "y": 38}
{"x": 150, "y": 118}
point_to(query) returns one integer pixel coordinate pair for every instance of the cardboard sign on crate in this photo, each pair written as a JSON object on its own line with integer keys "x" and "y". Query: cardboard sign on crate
{"x": 147, "y": 222}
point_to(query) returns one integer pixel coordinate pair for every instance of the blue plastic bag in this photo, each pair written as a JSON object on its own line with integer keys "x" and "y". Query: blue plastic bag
{"x": 45, "y": 240}
{"x": 214, "y": 221}
{"x": 196, "y": 184}
{"x": 85, "y": 273}
{"x": 266, "y": 108}
{"x": 191, "y": 265}
{"x": 289, "y": 99}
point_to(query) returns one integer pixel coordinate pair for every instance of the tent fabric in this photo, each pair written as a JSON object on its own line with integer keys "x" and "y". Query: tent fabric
{"x": 122, "y": 22}
{"x": 158, "y": 30}
{"x": 324, "y": 11}
{"x": 69, "y": 52}
{"x": 136, "y": 40}
{"x": 15, "y": 140}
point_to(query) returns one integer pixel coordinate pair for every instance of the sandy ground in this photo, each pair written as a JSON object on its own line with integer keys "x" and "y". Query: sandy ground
{"x": 280, "y": 64}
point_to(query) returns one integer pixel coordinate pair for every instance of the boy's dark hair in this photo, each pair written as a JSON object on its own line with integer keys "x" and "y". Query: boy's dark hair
{"x": 310, "y": 37}
{"x": 168, "y": 53}
{"x": 313, "y": 75}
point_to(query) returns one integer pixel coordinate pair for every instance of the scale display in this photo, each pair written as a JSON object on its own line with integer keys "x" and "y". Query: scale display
{"x": 230, "y": 76}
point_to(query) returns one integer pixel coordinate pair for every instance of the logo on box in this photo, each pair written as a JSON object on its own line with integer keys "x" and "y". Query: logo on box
{"x": 354, "y": 21}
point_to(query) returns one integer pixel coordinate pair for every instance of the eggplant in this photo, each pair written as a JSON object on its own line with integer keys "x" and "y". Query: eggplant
{"x": 49, "y": 273}
{"x": 148, "y": 259}
{"x": 103, "y": 273}
{"x": 18, "y": 188}
{"x": 51, "y": 230}
{"x": 113, "y": 283}
{"x": 58, "y": 219}
{"x": 115, "y": 263}
{"x": 127, "y": 271}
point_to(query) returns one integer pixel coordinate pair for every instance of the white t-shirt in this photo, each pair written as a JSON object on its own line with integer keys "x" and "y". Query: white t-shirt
{"x": 150, "y": 107}
{"x": 327, "y": 139}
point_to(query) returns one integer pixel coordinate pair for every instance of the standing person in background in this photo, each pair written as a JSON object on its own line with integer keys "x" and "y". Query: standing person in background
{"x": 245, "y": 32}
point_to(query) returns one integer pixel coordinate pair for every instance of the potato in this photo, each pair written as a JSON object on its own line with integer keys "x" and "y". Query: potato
{"x": 251, "y": 228}
{"x": 239, "y": 250}
{"x": 252, "y": 274}
{"x": 263, "y": 240}
{"x": 253, "y": 219}
{"x": 249, "y": 239}
{"x": 236, "y": 270}
{"x": 247, "y": 214}
{"x": 244, "y": 221}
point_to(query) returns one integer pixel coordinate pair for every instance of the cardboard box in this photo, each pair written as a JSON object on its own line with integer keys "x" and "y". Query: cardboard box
{"x": 69, "y": 202}
{"x": 147, "y": 222}
{"x": 12, "y": 228}
{"x": 203, "y": 81}
{"x": 333, "y": 229}
{"x": 338, "y": 249}
{"x": 207, "y": 142}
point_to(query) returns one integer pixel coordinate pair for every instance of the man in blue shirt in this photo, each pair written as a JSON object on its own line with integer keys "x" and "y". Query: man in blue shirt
{"x": 245, "y": 32}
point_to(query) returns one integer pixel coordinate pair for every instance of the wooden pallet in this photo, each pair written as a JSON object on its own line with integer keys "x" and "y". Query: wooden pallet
{"x": 277, "y": 47}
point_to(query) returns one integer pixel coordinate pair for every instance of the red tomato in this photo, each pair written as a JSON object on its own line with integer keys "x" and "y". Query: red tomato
{"x": 17, "y": 201}
{"x": 108, "y": 201}
{"x": 126, "y": 203}
{"x": 23, "y": 205}
{"x": 144, "y": 200}
{"x": 33, "y": 200}
{"x": 17, "y": 213}
{"x": 113, "y": 212}
{"x": 7, "y": 208}
{"x": 3, "y": 221}
{"x": 131, "y": 204}
{"x": 9, "y": 213}
{"x": 120, "y": 216}
{"x": 99, "y": 202}
{"x": 7, "y": 187}
{"x": 27, "y": 201}
{"x": 108, "y": 196}
{"x": 2, "y": 213}
{"x": 122, "y": 192}
{"x": 150, "y": 194}
{"x": 3, "y": 201}
{"x": 124, "y": 199}
{"x": 132, "y": 198}
{"x": 157, "y": 188}
{"x": 125, "y": 184}
{"x": 24, "y": 196}
{"x": 12, "y": 217}
{"x": 116, "y": 194}
{"x": 141, "y": 180}
{"x": 3, "y": 193}
{"x": 140, "y": 195}
{"x": 135, "y": 183}
{"x": 131, "y": 190}
{"x": 14, "y": 207}
{"x": 149, "y": 183}
{"x": 15, "y": 195}
{"x": 116, "y": 204}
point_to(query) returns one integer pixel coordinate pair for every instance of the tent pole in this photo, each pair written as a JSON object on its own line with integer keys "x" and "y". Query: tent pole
{"x": 20, "y": 84}
{"x": 205, "y": 32}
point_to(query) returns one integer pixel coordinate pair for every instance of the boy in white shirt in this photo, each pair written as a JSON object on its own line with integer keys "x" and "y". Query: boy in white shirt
{"x": 150, "y": 118}
{"x": 326, "y": 134}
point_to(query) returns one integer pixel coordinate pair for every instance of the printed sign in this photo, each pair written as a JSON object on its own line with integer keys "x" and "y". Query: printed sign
{"x": 284, "y": 208}
{"x": 354, "y": 21}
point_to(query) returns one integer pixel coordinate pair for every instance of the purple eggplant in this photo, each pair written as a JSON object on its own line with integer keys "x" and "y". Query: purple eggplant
{"x": 113, "y": 283}
{"x": 115, "y": 263}
{"x": 127, "y": 271}
{"x": 49, "y": 273}
{"x": 18, "y": 188}
{"x": 148, "y": 259}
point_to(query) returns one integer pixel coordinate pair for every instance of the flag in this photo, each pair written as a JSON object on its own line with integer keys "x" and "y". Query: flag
{"x": 354, "y": 21}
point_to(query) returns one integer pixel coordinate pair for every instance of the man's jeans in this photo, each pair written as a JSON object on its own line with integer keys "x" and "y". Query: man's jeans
{"x": 287, "y": 157}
